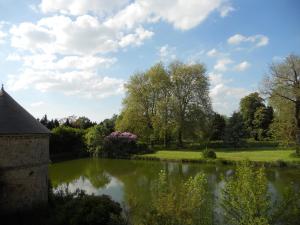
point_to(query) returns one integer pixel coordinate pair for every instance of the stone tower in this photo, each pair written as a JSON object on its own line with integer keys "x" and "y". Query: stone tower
{"x": 24, "y": 157}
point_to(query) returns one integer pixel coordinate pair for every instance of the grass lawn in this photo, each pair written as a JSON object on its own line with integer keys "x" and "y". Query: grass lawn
{"x": 230, "y": 155}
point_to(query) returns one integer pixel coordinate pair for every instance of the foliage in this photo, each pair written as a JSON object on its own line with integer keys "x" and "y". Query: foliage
{"x": 235, "y": 130}
{"x": 248, "y": 106}
{"x": 94, "y": 138}
{"x": 245, "y": 197}
{"x": 81, "y": 209}
{"x": 190, "y": 98}
{"x": 50, "y": 124}
{"x": 65, "y": 208}
{"x": 162, "y": 104}
{"x": 218, "y": 127}
{"x": 109, "y": 124}
{"x": 82, "y": 123}
{"x": 188, "y": 205}
{"x": 67, "y": 140}
{"x": 246, "y": 200}
{"x": 263, "y": 118}
{"x": 209, "y": 154}
{"x": 283, "y": 84}
{"x": 256, "y": 115}
{"x": 119, "y": 144}
{"x": 283, "y": 127}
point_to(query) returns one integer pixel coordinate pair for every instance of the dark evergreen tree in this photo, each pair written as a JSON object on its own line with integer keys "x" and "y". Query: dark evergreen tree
{"x": 235, "y": 130}
{"x": 218, "y": 127}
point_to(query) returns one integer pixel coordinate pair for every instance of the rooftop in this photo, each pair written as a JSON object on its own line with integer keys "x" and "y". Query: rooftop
{"x": 14, "y": 119}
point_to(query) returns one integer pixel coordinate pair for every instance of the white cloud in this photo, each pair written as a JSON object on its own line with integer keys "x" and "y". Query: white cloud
{"x": 51, "y": 62}
{"x": 259, "y": 40}
{"x": 64, "y": 50}
{"x": 167, "y": 53}
{"x": 3, "y": 34}
{"x": 83, "y": 35}
{"x": 183, "y": 15}
{"x": 136, "y": 38}
{"x": 213, "y": 52}
{"x": 222, "y": 64}
{"x": 242, "y": 66}
{"x": 80, "y": 83}
{"x": 225, "y": 9}
{"x": 81, "y": 7}
{"x": 37, "y": 104}
{"x": 225, "y": 98}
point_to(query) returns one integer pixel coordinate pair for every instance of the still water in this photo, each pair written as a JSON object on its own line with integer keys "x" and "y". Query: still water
{"x": 129, "y": 180}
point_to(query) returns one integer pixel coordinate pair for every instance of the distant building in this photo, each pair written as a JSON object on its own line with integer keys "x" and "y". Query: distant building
{"x": 24, "y": 157}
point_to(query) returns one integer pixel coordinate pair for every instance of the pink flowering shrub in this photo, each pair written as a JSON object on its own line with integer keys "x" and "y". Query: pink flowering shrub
{"x": 119, "y": 144}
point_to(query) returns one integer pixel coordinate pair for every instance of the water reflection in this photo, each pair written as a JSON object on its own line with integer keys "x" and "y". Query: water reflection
{"x": 125, "y": 180}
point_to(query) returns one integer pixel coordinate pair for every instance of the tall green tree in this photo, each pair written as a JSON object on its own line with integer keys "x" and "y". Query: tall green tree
{"x": 283, "y": 82}
{"x": 190, "y": 98}
{"x": 283, "y": 127}
{"x": 263, "y": 118}
{"x": 235, "y": 130}
{"x": 161, "y": 102}
{"x": 140, "y": 106}
{"x": 248, "y": 106}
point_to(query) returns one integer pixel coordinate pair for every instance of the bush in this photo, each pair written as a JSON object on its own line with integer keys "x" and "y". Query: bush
{"x": 118, "y": 145}
{"x": 190, "y": 204}
{"x": 65, "y": 208}
{"x": 209, "y": 154}
{"x": 246, "y": 199}
{"x": 67, "y": 140}
{"x": 82, "y": 209}
{"x": 94, "y": 138}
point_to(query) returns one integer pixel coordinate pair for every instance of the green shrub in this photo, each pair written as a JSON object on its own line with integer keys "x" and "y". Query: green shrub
{"x": 67, "y": 140}
{"x": 246, "y": 200}
{"x": 209, "y": 154}
{"x": 65, "y": 208}
{"x": 190, "y": 204}
{"x": 82, "y": 209}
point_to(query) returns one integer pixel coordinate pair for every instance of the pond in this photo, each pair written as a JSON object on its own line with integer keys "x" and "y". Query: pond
{"x": 129, "y": 181}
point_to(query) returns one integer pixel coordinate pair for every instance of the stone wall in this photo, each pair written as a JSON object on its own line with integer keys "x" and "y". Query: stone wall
{"x": 23, "y": 171}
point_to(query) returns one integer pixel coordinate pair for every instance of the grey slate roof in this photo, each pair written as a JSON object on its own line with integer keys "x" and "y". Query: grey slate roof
{"x": 14, "y": 119}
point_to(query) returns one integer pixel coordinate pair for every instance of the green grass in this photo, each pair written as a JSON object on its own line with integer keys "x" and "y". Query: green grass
{"x": 229, "y": 155}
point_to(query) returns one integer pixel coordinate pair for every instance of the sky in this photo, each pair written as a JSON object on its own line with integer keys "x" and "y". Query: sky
{"x": 73, "y": 57}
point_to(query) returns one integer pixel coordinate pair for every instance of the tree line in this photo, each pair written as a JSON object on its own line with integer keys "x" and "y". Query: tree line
{"x": 167, "y": 105}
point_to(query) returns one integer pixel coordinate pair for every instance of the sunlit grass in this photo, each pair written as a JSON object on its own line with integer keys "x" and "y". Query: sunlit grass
{"x": 231, "y": 155}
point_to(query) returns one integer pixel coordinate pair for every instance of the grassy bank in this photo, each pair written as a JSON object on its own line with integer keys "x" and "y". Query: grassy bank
{"x": 270, "y": 157}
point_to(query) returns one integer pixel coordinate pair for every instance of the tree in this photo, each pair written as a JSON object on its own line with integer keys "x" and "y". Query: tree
{"x": 263, "y": 118}
{"x": 235, "y": 130}
{"x": 283, "y": 82}
{"x": 44, "y": 120}
{"x": 50, "y": 124}
{"x": 190, "y": 98}
{"x": 67, "y": 140}
{"x": 83, "y": 123}
{"x": 94, "y": 138}
{"x": 218, "y": 127}
{"x": 248, "y": 106}
{"x": 109, "y": 124}
{"x": 283, "y": 127}
{"x": 139, "y": 106}
{"x": 161, "y": 102}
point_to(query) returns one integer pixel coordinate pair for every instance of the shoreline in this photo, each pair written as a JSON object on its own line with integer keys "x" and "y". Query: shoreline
{"x": 276, "y": 164}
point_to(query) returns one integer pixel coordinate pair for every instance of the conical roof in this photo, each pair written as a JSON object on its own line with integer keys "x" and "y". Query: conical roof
{"x": 14, "y": 119}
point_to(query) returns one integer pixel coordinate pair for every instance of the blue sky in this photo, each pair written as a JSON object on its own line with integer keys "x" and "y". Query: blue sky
{"x": 72, "y": 57}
